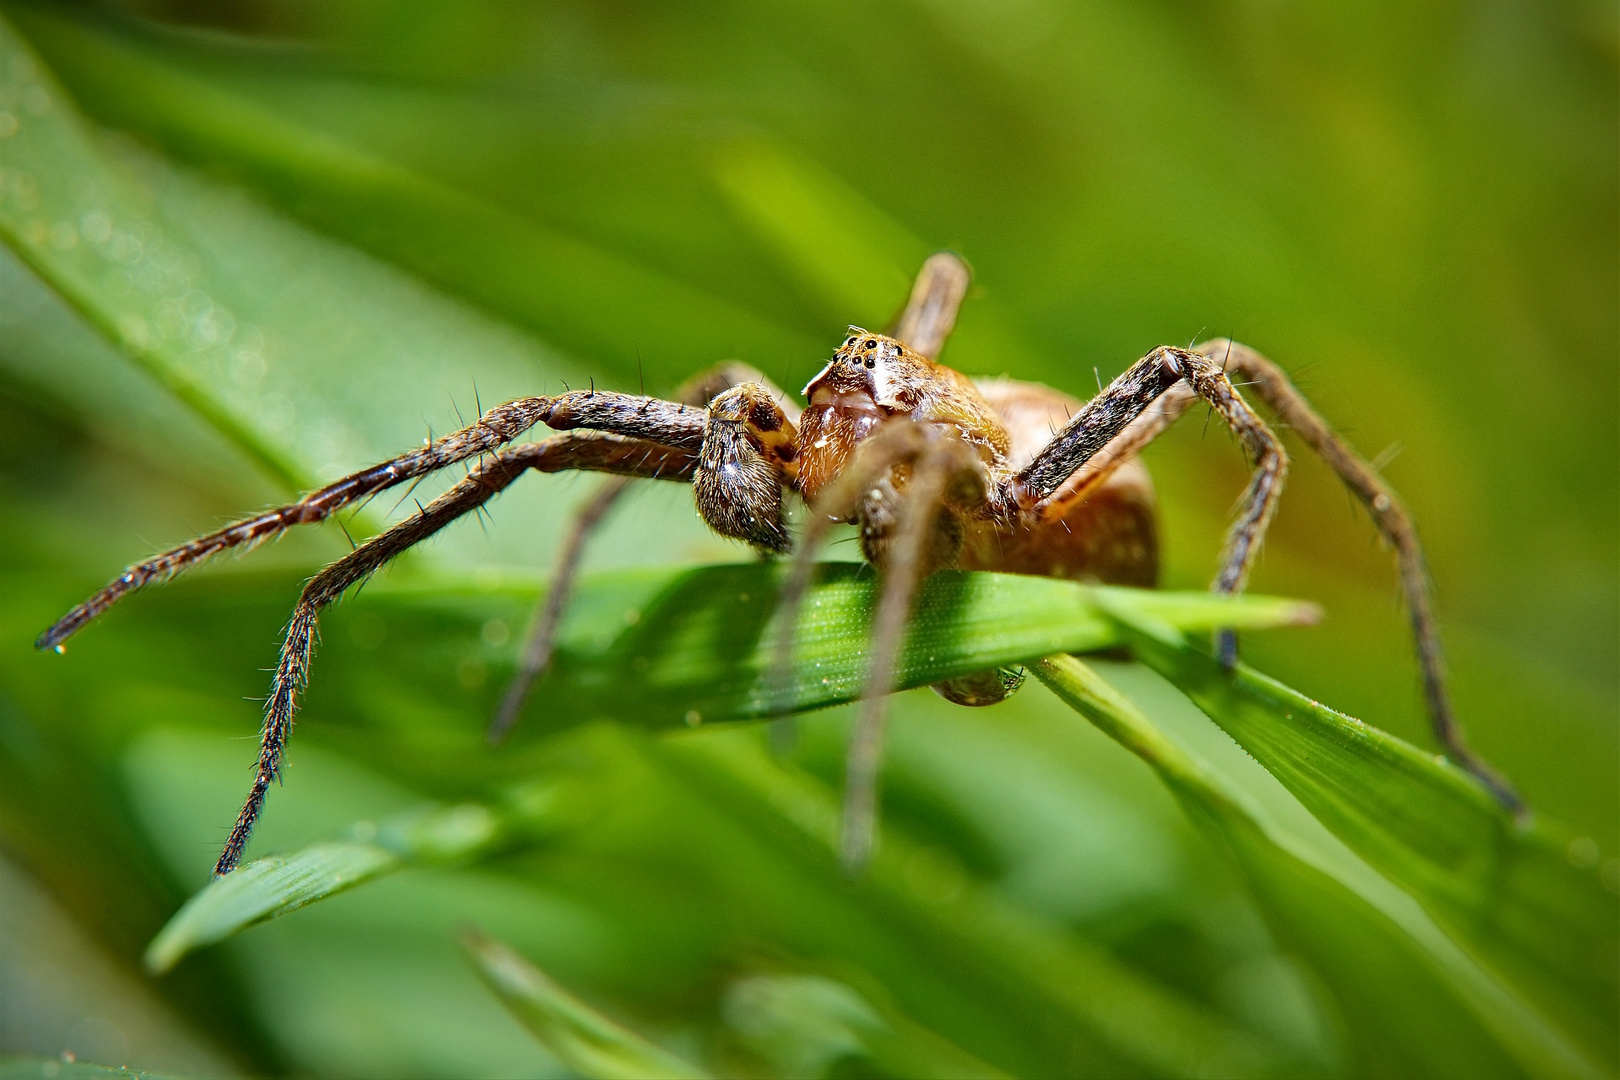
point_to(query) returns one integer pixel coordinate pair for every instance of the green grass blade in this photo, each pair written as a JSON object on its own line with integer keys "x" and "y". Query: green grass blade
{"x": 1130, "y": 1021}
{"x": 1418, "y": 1004}
{"x": 270, "y": 887}
{"x": 20, "y": 1068}
{"x": 262, "y": 890}
{"x": 580, "y": 1037}
{"x": 276, "y": 336}
{"x": 580, "y": 297}
{"x": 806, "y": 1024}
{"x": 81, "y": 226}
{"x": 1509, "y": 891}
{"x": 666, "y": 648}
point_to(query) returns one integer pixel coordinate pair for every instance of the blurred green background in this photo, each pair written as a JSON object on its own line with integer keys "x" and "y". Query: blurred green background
{"x": 369, "y": 217}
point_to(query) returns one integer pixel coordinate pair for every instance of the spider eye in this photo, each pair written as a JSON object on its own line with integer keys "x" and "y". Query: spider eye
{"x": 871, "y": 361}
{"x": 871, "y": 343}
{"x": 849, "y": 342}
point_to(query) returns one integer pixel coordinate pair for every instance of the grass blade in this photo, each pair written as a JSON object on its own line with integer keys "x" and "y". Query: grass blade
{"x": 20, "y": 1068}
{"x": 579, "y": 1036}
{"x": 662, "y": 648}
{"x": 806, "y": 1024}
{"x": 581, "y": 297}
{"x": 1419, "y": 1005}
{"x": 271, "y": 887}
{"x": 1512, "y": 892}
{"x": 1130, "y": 1021}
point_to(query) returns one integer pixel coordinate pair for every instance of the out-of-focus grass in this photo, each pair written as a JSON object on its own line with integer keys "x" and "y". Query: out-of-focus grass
{"x": 332, "y": 223}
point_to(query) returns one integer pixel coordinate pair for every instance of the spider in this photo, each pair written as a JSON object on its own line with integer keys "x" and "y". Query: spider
{"x": 934, "y": 470}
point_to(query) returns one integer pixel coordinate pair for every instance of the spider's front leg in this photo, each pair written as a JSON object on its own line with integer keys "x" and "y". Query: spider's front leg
{"x": 1132, "y": 410}
{"x": 906, "y": 486}
{"x": 596, "y": 453}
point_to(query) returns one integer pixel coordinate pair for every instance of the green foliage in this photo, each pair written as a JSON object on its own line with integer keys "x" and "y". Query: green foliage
{"x": 241, "y": 260}
{"x": 580, "y": 1037}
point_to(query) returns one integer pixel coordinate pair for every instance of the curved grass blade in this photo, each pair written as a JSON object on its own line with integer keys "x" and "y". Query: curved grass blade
{"x": 1509, "y": 891}
{"x": 270, "y": 887}
{"x": 274, "y": 335}
{"x": 579, "y": 296}
{"x": 579, "y": 1036}
{"x": 81, "y": 227}
{"x": 806, "y": 1024}
{"x": 1418, "y": 1005}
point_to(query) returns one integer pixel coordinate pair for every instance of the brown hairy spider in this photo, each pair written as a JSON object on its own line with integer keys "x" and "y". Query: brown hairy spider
{"x": 933, "y": 468}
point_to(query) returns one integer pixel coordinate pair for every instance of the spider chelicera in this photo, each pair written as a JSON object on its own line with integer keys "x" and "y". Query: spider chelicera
{"x": 933, "y": 468}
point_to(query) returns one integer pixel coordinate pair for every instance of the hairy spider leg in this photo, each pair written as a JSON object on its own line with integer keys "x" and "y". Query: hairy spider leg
{"x": 599, "y": 453}
{"x": 541, "y": 640}
{"x": 927, "y": 320}
{"x": 1390, "y": 516}
{"x": 662, "y": 421}
{"x": 1099, "y": 424}
{"x": 907, "y": 562}
{"x": 739, "y": 488}
{"x": 495, "y": 428}
{"x": 1154, "y": 393}
{"x": 1394, "y": 523}
{"x": 898, "y": 440}
{"x": 936, "y": 458}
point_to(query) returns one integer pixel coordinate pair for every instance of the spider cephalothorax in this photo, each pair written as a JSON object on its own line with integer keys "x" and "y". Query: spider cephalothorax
{"x": 935, "y": 469}
{"x": 872, "y": 378}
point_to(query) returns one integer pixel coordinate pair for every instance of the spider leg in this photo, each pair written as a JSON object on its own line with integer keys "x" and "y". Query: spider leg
{"x": 894, "y": 441}
{"x": 487, "y": 479}
{"x": 936, "y": 297}
{"x": 1149, "y": 396}
{"x": 908, "y": 559}
{"x": 1394, "y": 522}
{"x": 1097, "y": 428}
{"x": 542, "y": 636}
{"x": 660, "y": 421}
